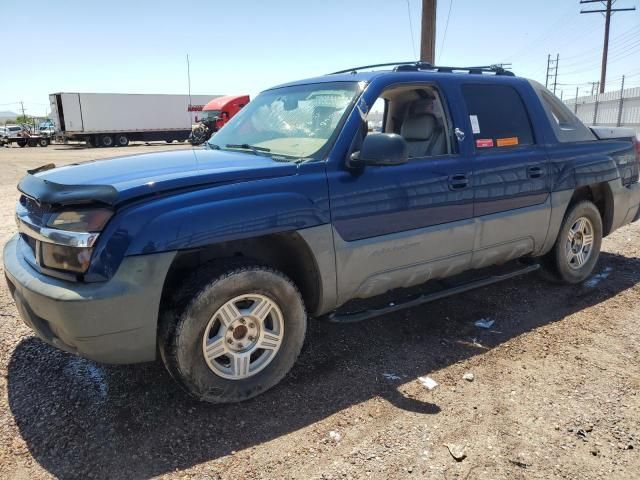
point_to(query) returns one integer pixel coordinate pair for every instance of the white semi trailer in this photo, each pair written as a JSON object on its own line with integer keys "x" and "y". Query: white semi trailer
{"x": 114, "y": 119}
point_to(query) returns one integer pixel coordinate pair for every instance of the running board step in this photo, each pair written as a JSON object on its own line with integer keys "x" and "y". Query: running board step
{"x": 483, "y": 282}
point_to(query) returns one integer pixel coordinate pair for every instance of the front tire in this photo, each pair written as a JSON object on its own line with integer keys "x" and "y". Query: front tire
{"x": 577, "y": 248}
{"x": 236, "y": 332}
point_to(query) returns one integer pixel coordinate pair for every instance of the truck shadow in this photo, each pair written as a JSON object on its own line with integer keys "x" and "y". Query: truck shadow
{"x": 80, "y": 419}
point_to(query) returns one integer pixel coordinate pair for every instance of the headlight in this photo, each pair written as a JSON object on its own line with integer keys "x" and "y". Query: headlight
{"x": 72, "y": 251}
{"x": 60, "y": 257}
{"x": 80, "y": 220}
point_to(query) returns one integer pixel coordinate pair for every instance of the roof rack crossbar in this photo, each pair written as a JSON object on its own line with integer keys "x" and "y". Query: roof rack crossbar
{"x": 364, "y": 67}
{"x": 496, "y": 69}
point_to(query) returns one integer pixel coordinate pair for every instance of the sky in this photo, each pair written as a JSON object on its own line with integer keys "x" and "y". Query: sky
{"x": 245, "y": 46}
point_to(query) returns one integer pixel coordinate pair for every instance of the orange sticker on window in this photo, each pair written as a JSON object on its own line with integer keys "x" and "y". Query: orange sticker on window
{"x": 507, "y": 142}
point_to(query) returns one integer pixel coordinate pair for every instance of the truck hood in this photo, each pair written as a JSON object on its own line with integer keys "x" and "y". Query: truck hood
{"x": 117, "y": 180}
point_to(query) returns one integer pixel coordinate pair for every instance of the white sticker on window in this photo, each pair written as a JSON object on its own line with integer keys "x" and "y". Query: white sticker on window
{"x": 475, "y": 125}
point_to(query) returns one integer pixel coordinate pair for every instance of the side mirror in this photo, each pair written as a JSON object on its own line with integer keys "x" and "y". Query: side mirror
{"x": 382, "y": 149}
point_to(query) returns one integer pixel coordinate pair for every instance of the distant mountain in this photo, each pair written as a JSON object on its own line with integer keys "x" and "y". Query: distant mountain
{"x": 6, "y": 115}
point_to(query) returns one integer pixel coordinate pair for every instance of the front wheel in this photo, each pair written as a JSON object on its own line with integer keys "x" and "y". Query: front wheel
{"x": 577, "y": 248}
{"x": 238, "y": 333}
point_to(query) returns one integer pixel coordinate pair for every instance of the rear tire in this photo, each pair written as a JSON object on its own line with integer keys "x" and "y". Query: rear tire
{"x": 122, "y": 140}
{"x": 577, "y": 248}
{"x": 106, "y": 141}
{"x": 43, "y": 142}
{"x": 236, "y": 332}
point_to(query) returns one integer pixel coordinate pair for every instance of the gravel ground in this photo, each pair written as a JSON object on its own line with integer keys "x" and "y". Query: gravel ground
{"x": 554, "y": 391}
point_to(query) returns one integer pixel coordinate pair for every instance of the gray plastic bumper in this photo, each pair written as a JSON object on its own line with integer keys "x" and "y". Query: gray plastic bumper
{"x": 110, "y": 322}
{"x": 626, "y": 204}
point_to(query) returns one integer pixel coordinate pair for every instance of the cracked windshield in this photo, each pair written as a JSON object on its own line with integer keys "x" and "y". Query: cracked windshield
{"x": 295, "y": 122}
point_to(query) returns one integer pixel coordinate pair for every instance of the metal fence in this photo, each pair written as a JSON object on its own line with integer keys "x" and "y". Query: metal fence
{"x": 610, "y": 109}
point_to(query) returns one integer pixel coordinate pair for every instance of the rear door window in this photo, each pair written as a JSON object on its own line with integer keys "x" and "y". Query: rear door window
{"x": 565, "y": 125}
{"x": 497, "y": 116}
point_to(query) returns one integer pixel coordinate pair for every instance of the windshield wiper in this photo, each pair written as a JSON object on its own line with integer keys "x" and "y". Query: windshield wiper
{"x": 246, "y": 146}
{"x": 211, "y": 146}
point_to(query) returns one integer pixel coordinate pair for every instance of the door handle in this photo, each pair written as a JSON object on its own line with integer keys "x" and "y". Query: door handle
{"x": 535, "y": 172}
{"x": 458, "y": 181}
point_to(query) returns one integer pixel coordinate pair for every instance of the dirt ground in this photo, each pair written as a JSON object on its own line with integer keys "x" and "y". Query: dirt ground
{"x": 554, "y": 394}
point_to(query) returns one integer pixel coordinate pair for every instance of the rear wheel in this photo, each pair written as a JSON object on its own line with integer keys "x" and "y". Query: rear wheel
{"x": 122, "y": 140}
{"x": 106, "y": 141}
{"x": 577, "y": 248}
{"x": 239, "y": 332}
{"x": 43, "y": 142}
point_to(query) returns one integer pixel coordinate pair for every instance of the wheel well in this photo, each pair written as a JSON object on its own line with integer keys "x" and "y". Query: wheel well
{"x": 286, "y": 252}
{"x": 602, "y": 197}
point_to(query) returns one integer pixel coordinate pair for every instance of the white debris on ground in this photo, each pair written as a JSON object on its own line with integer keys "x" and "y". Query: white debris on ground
{"x": 596, "y": 279}
{"x": 391, "y": 376}
{"x": 484, "y": 323}
{"x": 456, "y": 451}
{"x": 469, "y": 377}
{"x": 428, "y": 382}
{"x": 89, "y": 376}
{"x": 335, "y": 436}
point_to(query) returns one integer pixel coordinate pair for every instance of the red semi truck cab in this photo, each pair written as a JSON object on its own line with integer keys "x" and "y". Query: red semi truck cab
{"x": 222, "y": 108}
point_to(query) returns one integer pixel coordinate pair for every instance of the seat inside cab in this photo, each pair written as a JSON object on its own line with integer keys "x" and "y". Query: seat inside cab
{"x": 415, "y": 113}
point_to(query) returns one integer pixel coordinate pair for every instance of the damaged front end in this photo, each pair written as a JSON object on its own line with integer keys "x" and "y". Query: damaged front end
{"x": 60, "y": 224}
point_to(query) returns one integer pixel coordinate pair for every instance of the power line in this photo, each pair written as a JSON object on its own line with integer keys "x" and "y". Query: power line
{"x": 605, "y": 49}
{"x": 539, "y": 40}
{"x": 446, "y": 27}
{"x": 616, "y": 48}
{"x": 413, "y": 42}
{"x": 626, "y": 35}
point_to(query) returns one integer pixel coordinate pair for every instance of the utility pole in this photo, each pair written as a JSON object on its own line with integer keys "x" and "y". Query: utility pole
{"x": 552, "y": 72}
{"x": 428, "y": 32}
{"x": 189, "y": 86}
{"x": 607, "y": 21}
{"x": 575, "y": 105}
{"x": 555, "y": 75}
{"x": 546, "y": 80}
{"x": 621, "y": 102}
{"x": 22, "y": 107}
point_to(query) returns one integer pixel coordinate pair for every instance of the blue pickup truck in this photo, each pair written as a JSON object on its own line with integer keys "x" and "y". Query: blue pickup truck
{"x": 212, "y": 259}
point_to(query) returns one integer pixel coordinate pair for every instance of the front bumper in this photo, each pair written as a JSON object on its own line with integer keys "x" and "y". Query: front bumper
{"x": 109, "y": 322}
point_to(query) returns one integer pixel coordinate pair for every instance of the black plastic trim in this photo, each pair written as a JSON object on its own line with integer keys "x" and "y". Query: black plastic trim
{"x": 51, "y": 193}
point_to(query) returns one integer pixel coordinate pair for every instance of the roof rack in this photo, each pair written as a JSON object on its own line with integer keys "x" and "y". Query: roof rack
{"x": 497, "y": 69}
